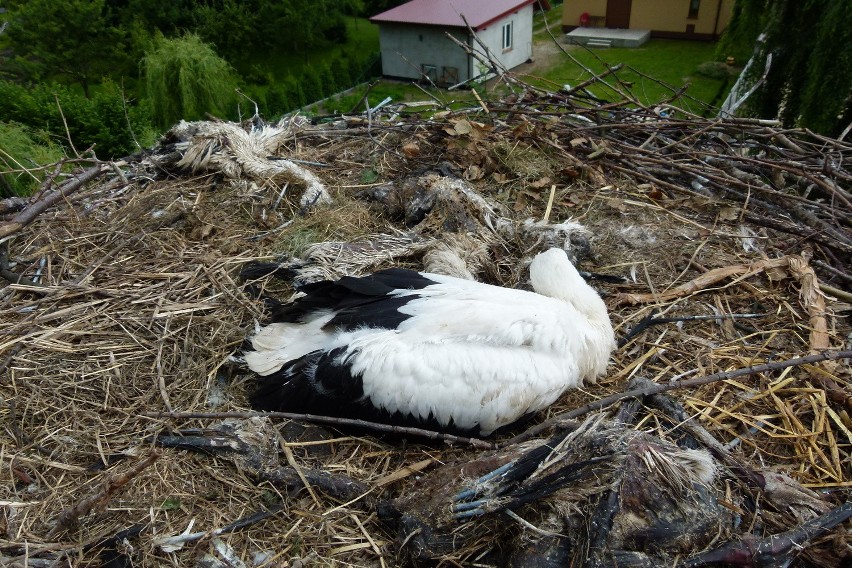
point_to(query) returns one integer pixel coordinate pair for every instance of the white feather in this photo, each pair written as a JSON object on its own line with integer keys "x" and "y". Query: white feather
{"x": 278, "y": 343}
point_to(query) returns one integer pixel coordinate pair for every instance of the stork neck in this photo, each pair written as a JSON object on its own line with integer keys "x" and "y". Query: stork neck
{"x": 552, "y": 274}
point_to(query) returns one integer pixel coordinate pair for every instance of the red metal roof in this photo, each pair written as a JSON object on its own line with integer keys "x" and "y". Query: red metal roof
{"x": 479, "y": 13}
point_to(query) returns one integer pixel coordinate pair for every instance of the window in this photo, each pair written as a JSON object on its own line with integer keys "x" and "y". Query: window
{"x": 693, "y": 9}
{"x": 507, "y": 36}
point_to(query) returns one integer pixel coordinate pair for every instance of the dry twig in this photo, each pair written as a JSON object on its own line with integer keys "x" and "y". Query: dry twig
{"x": 111, "y": 486}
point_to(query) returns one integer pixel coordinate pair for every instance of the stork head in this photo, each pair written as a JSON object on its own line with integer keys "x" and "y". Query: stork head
{"x": 552, "y": 274}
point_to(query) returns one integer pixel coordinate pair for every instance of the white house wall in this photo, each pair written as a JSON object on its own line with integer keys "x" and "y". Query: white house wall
{"x": 521, "y": 50}
{"x": 405, "y": 48}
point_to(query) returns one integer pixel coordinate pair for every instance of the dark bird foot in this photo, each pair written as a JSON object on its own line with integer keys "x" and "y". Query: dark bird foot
{"x": 513, "y": 484}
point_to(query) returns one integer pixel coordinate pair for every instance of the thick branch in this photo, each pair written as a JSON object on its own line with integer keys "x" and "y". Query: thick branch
{"x": 29, "y": 214}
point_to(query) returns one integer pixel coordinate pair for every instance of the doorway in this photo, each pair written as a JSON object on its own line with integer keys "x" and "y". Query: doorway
{"x": 618, "y": 13}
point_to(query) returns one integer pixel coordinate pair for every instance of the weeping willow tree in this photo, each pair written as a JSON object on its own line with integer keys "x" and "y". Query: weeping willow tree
{"x": 809, "y": 82}
{"x": 185, "y": 79}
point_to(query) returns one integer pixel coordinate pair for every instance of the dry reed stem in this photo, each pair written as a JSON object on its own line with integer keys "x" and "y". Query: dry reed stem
{"x": 703, "y": 281}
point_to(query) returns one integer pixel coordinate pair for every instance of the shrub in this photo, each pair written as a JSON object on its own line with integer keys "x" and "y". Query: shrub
{"x": 296, "y": 97}
{"x": 340, "y": 71}
{"x": 717, "y": 70}
{"x": 337, "y": 31}
{"x": 105, "y": 121}
{"x": 329, "y": 84}
{"x": 23, "y": 148}
{"x": 311, "y": 85}
{"x": 277, "y": 102}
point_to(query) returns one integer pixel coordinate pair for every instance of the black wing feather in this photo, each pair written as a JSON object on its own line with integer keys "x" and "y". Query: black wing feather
{"x": 367, "y": 301}
{"x": 316, "y": 383}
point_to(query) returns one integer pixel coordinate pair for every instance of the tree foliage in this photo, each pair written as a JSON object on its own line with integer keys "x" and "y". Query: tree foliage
{"x": 87, "y": 39}
{"x": 169, "y": 17}
{"x": 184, "y": 78}
{"x": 810, "y": 81}
{"x": 172, "y": 59}
{"x": 308, "y": 23}
{"x": 373, "y": 7}
{"x": 230, "y": 25}
{"x": 239, "y": 28}
{"x": 72, "y": 38}
{"x": 105, "y": 121}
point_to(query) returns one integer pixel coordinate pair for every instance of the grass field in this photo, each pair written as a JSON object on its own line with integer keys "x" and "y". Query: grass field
{"x": 673, "y": 63}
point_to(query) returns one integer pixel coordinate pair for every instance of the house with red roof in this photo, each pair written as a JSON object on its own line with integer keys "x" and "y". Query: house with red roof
{"x": 415, "y": 45}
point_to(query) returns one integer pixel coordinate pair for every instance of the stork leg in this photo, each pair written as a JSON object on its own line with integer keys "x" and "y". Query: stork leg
{"x": 509, "y": 486}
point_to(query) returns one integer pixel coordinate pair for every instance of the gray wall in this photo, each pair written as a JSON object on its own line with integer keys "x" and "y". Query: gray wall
{"x": 406, "y": 47}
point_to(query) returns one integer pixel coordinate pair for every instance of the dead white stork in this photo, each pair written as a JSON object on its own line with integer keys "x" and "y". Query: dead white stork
{"x": 400, "y": 346}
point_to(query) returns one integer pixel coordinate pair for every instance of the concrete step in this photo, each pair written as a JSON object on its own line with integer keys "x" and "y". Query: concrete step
{"x": 599, "y": 43}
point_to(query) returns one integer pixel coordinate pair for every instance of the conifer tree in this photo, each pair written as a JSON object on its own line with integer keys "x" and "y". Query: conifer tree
{"x": 72, "y": 38}
{"x": 809, "y": 83}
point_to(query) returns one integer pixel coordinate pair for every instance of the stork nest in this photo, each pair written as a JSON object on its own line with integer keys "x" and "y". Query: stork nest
{"x": 124, "y": 315}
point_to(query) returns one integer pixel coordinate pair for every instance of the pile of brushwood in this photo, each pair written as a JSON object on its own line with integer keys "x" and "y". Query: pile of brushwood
{"x": 721, "y": 434}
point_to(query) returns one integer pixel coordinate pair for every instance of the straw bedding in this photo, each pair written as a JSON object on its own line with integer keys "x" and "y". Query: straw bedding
{"x": 131, "y": 305}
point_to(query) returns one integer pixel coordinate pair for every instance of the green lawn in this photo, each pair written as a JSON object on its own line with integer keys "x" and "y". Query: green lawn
{"x": 673, "y": 62}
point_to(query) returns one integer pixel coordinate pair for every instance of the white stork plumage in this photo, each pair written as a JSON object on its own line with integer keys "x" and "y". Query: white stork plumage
{"x": 433, "y": 350}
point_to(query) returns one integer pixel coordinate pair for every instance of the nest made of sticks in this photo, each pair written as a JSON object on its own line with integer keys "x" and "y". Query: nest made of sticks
{"x": 124, "y": 315}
